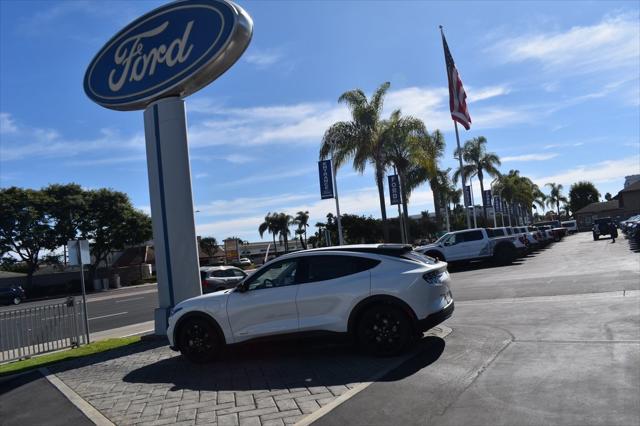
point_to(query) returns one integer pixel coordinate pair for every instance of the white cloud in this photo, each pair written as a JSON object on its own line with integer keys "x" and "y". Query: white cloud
{"x": 481, "y": 94}
{"x": 7, "y": 124}
{"x": 263, "y": 58}
{"x": 200, "y": 175}
{"x": 528, "y": 157}
{"x": 602, "y": 172}
{"x": 611, "y": 44}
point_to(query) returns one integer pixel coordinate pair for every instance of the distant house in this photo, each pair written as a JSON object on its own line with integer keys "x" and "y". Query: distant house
{"x": 625, "y": 204}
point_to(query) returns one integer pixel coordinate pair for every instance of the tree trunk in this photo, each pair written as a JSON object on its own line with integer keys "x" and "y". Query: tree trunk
{"x": 437, "y": 205}
{"x": 383, "y": 208}
{"x": 405, "y": 209}
{"x": 484, "y": 208}
{"x": 275, "y": 247}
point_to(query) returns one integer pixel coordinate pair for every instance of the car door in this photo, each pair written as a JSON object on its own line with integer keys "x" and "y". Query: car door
{"x": 268, "y": 306}
{"x": 468, "y": 245}
{"x": 331, "y": 285}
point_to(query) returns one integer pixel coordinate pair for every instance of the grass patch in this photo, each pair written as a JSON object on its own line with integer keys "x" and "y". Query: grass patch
{"x": 48, "y": 359}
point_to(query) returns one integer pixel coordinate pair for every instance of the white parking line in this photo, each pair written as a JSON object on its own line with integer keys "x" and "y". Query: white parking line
{"x": 129, "y": 300}
{"x": 110, "y": 315}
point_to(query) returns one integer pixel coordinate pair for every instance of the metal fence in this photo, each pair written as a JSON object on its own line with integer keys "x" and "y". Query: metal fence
{"x": 39, "y": 329}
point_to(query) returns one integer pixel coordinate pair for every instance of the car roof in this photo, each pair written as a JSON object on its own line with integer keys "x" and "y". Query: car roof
{"x": 217, "y": 268}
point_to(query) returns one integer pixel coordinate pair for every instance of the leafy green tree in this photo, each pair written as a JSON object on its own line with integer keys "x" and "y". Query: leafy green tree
{"x": 25, "y": 227}
{"x": 361, "y": 229}
{"x": 360, "y": 139}
{"x": 209, "y": 246}
{"x": 67, "y": 209}
{"x": 608, "y": 196}
{"x": 479, "y": 162}
{"x": 269, "y": 225}
{"x": 282, "y": 222}
{"x": 581, "y": 194}
{"x": 112, "y": 223}
{"x": 555, "y": 196}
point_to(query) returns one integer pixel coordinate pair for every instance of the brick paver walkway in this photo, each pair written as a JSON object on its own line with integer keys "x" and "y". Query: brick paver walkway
{"x": 266, "y": 385}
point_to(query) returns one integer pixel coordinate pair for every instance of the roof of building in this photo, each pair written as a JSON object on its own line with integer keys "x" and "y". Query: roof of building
{"x": 599, "y": 207}
{"x": 631, "y": 188}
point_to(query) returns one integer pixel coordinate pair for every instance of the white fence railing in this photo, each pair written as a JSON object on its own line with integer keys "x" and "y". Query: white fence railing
{"x": 39, "y": 329}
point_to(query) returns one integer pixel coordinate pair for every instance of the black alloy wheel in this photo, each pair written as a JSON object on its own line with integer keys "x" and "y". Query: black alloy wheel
{"x": 198, "y": 340}
{"x": 16, "y": 300}
{"x": 384, "y": 330}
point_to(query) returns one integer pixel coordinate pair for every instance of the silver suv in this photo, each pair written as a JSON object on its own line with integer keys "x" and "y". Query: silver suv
{"x": 216, "y": 278}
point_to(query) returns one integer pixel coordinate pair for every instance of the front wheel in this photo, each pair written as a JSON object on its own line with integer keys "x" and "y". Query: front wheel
{"x": 595, "y": 237}
{"x": 16, "y": 300}
{"x": 384, "y": 330}
{"x": 198, "y": 340}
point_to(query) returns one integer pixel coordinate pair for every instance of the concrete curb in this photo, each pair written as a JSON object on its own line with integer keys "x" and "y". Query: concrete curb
{"x": 439, "y": 331}
{"x": 87, "y": 409}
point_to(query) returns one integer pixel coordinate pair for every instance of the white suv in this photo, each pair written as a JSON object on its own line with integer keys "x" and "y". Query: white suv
{"x": 383, "y": 295}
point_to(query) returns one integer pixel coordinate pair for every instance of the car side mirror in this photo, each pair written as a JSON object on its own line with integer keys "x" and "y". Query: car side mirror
{"x": 242, "y": 287}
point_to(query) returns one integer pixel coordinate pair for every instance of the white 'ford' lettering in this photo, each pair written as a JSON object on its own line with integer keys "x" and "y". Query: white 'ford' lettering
{"x": 135, "y": 64}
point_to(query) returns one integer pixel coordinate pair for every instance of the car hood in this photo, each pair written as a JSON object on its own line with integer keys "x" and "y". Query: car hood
{"x": 211, "y": 301}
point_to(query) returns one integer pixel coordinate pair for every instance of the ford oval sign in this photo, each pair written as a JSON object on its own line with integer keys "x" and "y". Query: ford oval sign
{"x": 174, "y": 50}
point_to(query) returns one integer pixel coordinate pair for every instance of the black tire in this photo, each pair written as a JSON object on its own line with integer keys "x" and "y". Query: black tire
{"x": 384, "y": 330}
{"x": 595, "y": 237}
{"x": 504, "y": 255}
{"x": 436, "y": 255}
{"x": 198, "y": 340}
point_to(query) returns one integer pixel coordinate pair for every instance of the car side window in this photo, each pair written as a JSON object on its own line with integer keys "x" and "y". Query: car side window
{"x": 238, "y": 273}
{"x": 218, "y": 274}
{"x": 279, "y": 274}
{"x": 472, "y": 236}
{"x": 323, "y": 268}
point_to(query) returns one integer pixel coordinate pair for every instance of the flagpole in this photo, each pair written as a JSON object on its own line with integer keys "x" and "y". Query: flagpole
{"x": 335, "y": 188}
{"x": 455, "y": 123}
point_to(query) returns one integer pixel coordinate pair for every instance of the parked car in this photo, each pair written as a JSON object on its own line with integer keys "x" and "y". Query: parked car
{"x": 570, "y": 225}
{"x": 557, "y": 230}
{"x": 521, "y": 241}
{"x": 539, "y": 235}
{"x": 244, "y": 261}
{"x": 217, "y": 278}
{"x": 533, "y": 243}
{"x": 472, "y": 244}
{"x": 13, "y": 294}
{"x": 383, "y": 295}
{"x": 602, "y": 226}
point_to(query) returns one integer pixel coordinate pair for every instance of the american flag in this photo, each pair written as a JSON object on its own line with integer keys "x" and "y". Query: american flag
{"x": 457, "y": 95}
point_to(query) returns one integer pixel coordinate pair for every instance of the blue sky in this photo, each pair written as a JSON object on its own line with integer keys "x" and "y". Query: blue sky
{"x": 553, "y": 86}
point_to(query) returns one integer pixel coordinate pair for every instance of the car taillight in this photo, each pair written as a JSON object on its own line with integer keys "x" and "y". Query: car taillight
{"x": 204, "y": 283}
{"x": 435, "y": 277}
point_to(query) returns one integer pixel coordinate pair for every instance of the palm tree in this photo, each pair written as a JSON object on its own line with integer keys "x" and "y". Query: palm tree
{"x": 359, "y": 139}
{"x": 555, "y": 196}
{"x": 282, "y": 223}
{"x": 302, "y": 220}
{"x": 269, "y": 225}
{"x": 479, "y": 162}
{"x": 404, "y": 139}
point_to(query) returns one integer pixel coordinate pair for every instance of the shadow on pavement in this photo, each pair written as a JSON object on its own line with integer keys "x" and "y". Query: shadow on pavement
{"x": 283, "y": 365}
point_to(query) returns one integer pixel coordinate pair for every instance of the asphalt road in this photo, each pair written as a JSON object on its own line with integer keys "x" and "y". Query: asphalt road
{"x": 553, "y": 339}
{"x": 106, "y": 310}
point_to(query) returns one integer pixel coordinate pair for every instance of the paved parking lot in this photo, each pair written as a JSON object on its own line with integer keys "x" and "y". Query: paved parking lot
{"x": 553, "y": 339}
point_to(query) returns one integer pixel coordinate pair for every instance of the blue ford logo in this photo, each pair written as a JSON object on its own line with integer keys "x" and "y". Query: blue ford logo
{"x": 174, "y": 50}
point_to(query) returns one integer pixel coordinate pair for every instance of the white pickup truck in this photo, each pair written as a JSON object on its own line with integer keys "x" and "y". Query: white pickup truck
{"x": 472, "y": 244}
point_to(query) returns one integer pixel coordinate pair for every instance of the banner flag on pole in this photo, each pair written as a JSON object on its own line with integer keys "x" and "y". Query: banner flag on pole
{"x": 497, "y": 204}
{"x": 394, "y": 190}
{"x": 457, "y": 95}
{"x": 326, "y": 179}
{"x": 467, "y": 196}
{"x": 487, "y": 197}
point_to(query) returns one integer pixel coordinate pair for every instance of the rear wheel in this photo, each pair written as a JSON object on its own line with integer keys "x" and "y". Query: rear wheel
{"x": 384, "y": 330}
{"x": 504, "y": 255}
{"x": 436, "y": 255}
{"x": 198, "y": 340}
{"x": 595, "y": 237}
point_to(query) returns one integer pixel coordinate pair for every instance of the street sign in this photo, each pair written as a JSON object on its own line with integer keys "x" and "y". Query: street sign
{"x": 487, "y": 197}
{"x": 231, "y": 250}
{"x": 394, "y": 190}
{"x": 326, "y": 179}
{"x": 467, "y": 196}
{"x": 174, "y": 50}
{"x": 78, "y": 252}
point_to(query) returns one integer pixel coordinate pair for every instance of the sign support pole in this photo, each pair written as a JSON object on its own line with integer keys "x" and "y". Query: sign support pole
{"x": 473, "y": 202}
{"x": 335, "y": 189}
{"x": 174, "y": 234}
{"x": 85, "y": 314}
{"x": 455, "y": 123}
